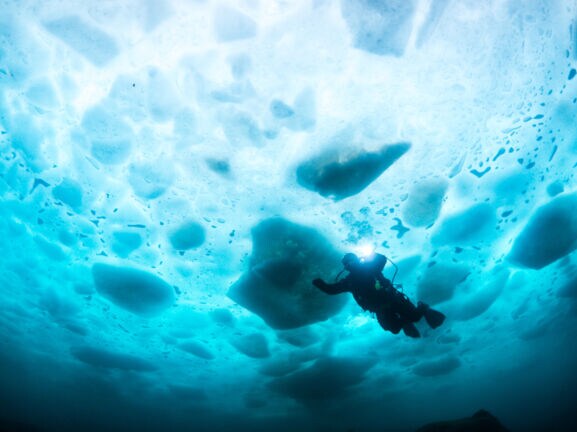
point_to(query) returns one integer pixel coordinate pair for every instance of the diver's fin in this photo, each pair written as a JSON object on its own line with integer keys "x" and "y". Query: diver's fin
{"x": 410, "y": 330}
{"x": 434, "y": 318}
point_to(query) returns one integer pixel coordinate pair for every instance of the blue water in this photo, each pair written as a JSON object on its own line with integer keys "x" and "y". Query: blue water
{"x": 174, "y": 174}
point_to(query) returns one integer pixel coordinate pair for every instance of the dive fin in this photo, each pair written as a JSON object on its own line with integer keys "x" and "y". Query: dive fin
{"x": 410, "y": 330}
{"x": 434, "y": 318}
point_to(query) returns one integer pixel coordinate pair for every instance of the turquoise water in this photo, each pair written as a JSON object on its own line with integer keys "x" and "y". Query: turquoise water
{"x": 174, "y": 174}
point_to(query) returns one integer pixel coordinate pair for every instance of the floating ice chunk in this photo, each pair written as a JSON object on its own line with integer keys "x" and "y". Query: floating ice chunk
{"x": 569, "y": 289}
{"x": 280, "y": 110}
{"x": 301, "y": 337}
{"x": 439, "y": 281}
{"x": 52, "y": 250}
{"x": 399, "y": 228}
{"x": 111, "y": 360}
{"x": 127, "y": 96}
{"x": 137, "y": 291}
{"x": 163, "y": 99}
{"x": 111, "y": 152}
{"x": 436, "y": 10}
{"x": 42, "y": 95}
{"x": 305, "y": 112}
{"x": 187, "y": 236}
{"x": 21, "y": 55}
{"x": 219, "y": 166}
{"x": 277, "y": 367}
{"x": 379, "y": 27}
{"x": 252, "y": 345}
{"x": 466, "y": 227}
{"x": 231, "y": 24}
{"x": 89, "y": 41}
{"x": 84, "y": 289}
{"x": 404, "y": 268}
{"x": 58, "y": 305}
{"x": 478, "y": 303}
{"x": 286, "y": 257}
{"x": 197, "y": 349}
{"x": 28, "y": 137}
{"x": 512, "y": 186}
{"x": 109, "y": 134}
{"x": 150, "y": 179}
{"x": 223, "y": 316}
{"x": 75, "y": 327}
{"x": 69, "y": 192}
{"x": 555, "y": 188}
{"x": 440, "y": 366}
{"x": 156, "y": 12}
{"x": 103, "y": 123}
{"x": 550, "y": 234}
{"x": 236, "y": 92}
{"x": 533, "y": 327}
{"x": 424, "y": 203}
{"x": 186, "y": 323}
{"x": 241, "y": 129}
{"x": 240, "y": 65}
{"x": 125, "y": 242}
{"x": 337, "y": 175}
{"x": 327, "y": 378}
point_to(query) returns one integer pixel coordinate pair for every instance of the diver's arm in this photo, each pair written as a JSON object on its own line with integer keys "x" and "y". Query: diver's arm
{"x": 336, "y": 288}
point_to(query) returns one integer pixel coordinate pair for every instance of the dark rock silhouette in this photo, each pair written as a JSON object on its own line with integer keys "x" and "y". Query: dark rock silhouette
{"x": 481, "y": 421}
{"x": 7, "y": 425}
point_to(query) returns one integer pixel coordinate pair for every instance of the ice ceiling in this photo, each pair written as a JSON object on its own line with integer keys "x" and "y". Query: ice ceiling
{"x": 174, "y": 174}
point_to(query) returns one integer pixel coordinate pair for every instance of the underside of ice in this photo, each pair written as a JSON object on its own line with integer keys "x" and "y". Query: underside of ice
{"x": 175, "y": 174}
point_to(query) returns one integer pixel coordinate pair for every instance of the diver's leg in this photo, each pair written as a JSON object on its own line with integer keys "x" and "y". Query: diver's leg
{"x": 389, "y": 321}
{"x": 410, "y": 330}
{"x": 407, "y": 309}
{"x": 409, "y": 314}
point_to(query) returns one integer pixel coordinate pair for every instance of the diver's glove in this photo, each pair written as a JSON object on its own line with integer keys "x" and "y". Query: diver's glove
{"x": 319, "y": 283}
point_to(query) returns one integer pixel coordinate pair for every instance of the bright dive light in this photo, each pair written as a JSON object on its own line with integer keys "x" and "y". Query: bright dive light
{"x": 365, "y": 251}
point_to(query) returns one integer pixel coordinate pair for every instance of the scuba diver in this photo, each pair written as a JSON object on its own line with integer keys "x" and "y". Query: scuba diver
{"x": 394, "y": 310}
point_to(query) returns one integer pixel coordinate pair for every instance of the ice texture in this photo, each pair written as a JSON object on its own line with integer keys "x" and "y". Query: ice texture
{"x": 135, "y": 290}
{"x": 379, "y": 27}
{"x": 197, "y": 349}
{"x": 69, "y": 192}
{"x": 550, "y": 234}
{"x": 252, "y": 345}
{"x": 104, "y": 358}
{"x": 440, "y": 366}
{"x": 327, "y": 378}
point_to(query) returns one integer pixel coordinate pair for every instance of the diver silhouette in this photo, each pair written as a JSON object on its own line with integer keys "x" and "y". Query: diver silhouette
{"x": 393, "y": 309}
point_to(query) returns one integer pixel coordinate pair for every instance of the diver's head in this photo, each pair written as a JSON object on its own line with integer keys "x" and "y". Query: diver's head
{"x": 350, "y": 260}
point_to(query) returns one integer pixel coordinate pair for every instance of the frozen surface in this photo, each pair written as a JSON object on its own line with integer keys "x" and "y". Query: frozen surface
{"x": 173, "y": 174}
